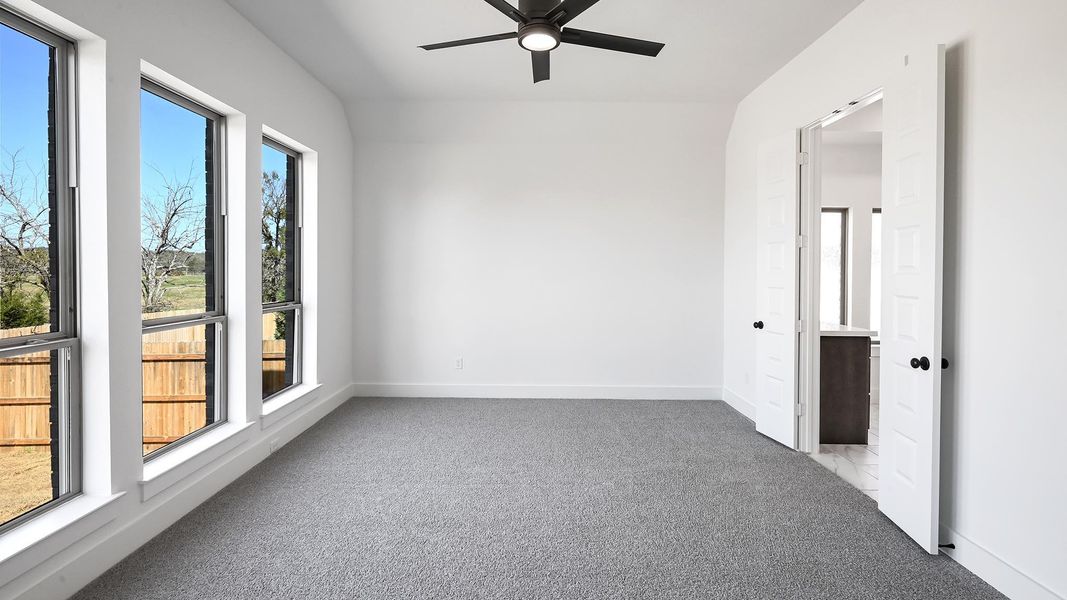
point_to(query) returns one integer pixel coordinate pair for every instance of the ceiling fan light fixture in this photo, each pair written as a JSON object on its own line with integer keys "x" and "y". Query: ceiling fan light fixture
{"x": 540, "y": 30}
{"x": 539, "y": 37}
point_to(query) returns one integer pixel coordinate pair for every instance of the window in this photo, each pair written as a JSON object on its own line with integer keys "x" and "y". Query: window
{"x": 876, "y": 270}
{"x": 39, "y": 424}
{"x": 282, "y": 306}
{"x": 832, "y": 294}
{"x": 182, "y": 286}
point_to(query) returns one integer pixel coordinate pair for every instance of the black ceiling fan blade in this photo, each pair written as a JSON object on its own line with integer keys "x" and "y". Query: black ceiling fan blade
{"x": 468, "y": 42}
{"x": 611, "y": 42}
{"x": 505, "y": 7}
{"x": 568, "y": 10}
{"x": 542, "y": 65}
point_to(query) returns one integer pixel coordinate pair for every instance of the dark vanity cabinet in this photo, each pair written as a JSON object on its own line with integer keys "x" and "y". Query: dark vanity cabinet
{"x": 845, "y": 385}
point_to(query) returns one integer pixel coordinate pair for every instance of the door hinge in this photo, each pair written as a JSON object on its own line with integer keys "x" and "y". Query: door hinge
{"x": 802, "y": 241}
{"x": 800, "y": 410}
{"x": 800, "y": 326}
{"x": 802, "y": 158}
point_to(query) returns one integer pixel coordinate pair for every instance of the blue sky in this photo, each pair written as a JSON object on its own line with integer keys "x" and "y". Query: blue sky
{"x": 24, "y": 103}
{"x": 172, "y": 148}
{"x": 172, "y": 137}
{"x": 273, "y": 161}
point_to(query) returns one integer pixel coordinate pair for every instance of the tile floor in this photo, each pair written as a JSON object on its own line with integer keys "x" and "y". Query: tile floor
{"x": 855, "y": 463}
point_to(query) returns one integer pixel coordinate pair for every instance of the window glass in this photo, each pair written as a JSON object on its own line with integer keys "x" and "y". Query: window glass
{"x": 876, "y": 271}
{"x": 176, "y": 210}
{"x": 279, "y": 228}
{"x": 28, "y": 246}
{"x": 832, "y": 274}
{"x": 279, "y": 335}
{"x": 181, "y": 268}
{"x": 178, "y": 383}
{"x": 31, "y": 450}
{"x": 38, "y": 351}
{"x": 280, "y": 245}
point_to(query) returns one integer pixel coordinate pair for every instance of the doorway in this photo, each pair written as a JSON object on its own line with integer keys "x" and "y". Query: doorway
{"x": 843, "y": 220}
{"x": 789, "y": 335}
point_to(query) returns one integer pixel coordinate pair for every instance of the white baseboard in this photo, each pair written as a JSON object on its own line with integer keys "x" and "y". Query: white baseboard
{"x": 570, "y": 392}
{"x": 80, "y": 564}
{"x": 1007, "y": 579}
{"x": 739, "y": 403}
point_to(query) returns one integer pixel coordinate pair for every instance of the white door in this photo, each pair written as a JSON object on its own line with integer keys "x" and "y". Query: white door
{"x": 913, "y": 228}
{"x": 775, "y": 321}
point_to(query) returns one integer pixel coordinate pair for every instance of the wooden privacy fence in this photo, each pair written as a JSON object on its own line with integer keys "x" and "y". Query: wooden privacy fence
{"x": 25, "y": 389}
{"x": 173, "y": 377}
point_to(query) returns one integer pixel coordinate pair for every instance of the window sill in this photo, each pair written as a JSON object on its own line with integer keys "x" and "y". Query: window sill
{"x": 286, "y": 403}
{"x": 163, "y": 472}
{"x": 55, "y": 530}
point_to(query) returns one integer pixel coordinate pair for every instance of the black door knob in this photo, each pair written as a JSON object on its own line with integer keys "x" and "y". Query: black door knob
{"x": 921, "y": 363}
{"x": 944, "y": 363}
{"x": 758, "y": 324}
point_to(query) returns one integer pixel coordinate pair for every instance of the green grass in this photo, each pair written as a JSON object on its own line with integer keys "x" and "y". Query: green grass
{"x": 186, "y": 292}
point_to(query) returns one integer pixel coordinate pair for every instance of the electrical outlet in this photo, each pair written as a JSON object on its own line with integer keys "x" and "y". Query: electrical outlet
{"x": 459, "y": 363}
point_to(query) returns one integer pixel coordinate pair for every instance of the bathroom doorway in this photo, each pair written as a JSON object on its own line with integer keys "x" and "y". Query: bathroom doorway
{"x": 845, "y": 151}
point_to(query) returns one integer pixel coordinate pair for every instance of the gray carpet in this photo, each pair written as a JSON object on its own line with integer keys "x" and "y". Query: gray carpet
{"x": 398, "y": 499}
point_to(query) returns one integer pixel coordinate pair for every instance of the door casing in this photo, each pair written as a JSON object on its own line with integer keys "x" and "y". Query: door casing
{"x": 808, "y": 359}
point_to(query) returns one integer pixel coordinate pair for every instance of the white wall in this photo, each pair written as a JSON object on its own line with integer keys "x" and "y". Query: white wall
{"x": 852, "y": 179}
{"x": 1003, "y": 409}
{"x": 561, "y": 249}
{"x": 206, "y": 45}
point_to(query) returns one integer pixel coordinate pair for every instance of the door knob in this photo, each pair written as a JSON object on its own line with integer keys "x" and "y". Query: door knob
{"x": 758, "y": 324}
{"x": 921, "y": 363}
{"x": 944, "y": 363}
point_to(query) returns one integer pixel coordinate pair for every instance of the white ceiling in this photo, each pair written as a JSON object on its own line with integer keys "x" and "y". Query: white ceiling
{"x": 717, "y": 50}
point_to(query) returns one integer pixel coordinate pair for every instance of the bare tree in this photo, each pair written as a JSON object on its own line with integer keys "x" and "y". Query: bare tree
{"x": 172, "y": 228}
{"x": 24, "y": 226}
{"x": 274, "y": 220}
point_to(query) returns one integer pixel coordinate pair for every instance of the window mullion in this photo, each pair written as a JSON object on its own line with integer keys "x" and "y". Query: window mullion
{"x": 183, "y": 324}
{"x": 281, "y": 307}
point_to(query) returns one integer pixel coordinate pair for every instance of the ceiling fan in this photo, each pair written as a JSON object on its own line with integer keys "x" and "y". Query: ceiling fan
{"x": 541, "y": 31}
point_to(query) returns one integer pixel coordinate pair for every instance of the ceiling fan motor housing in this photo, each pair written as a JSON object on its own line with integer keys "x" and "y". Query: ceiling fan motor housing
{"x": 535, "y": 9}
{"x": 538, "y": 34}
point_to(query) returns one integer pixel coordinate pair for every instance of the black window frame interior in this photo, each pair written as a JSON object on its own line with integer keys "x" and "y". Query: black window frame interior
{"x": 214, "y": 318}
